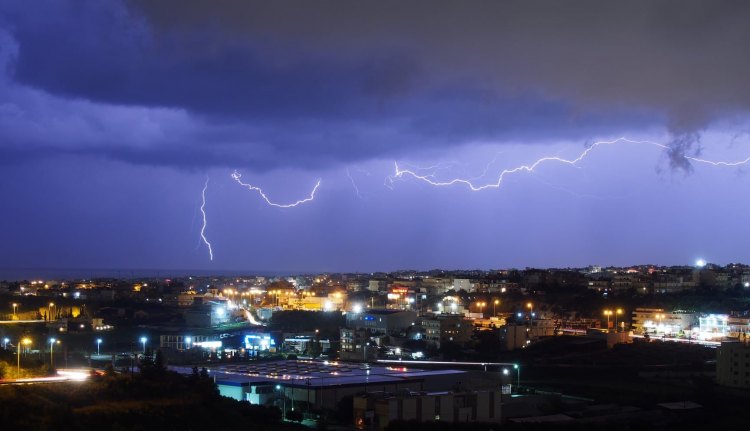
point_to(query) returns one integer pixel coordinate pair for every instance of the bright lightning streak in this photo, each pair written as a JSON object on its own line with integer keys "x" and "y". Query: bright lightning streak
{"x": 531, "y": 167}
{"x": 203, "y": 228}
{"x": 712, "y": 163}
{"x": 237, "y": 177}
{"x": 354, "y": 184}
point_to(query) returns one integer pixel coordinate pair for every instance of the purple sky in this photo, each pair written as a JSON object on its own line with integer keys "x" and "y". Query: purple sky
{"x": 114, "y": 112}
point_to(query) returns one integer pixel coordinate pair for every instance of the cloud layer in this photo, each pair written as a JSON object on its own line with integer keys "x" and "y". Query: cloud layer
{"x": 263, "y": 85}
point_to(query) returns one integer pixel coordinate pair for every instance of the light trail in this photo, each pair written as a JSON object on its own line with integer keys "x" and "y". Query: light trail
{"x": 429, "y": 178}
{"x": 237, "y": 177}
{"x": 203, "y": 228}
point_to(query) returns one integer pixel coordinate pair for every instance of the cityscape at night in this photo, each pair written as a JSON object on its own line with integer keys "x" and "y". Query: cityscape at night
{"x": 434, "y": 215}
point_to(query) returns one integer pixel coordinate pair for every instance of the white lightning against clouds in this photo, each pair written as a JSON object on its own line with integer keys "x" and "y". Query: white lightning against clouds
{"x": 429, "y": 178}
{"x": 431, "y": 173}
{"x": 203, "y": 228}
{"x": 238, "y": 178}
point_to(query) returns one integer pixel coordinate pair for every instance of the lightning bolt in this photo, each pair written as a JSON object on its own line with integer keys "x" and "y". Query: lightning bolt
{"x": 429, "y": 179}
{"x": 354, "y": 184}
{"x": 203, "y": 228}
{"x": 237, "y": 177}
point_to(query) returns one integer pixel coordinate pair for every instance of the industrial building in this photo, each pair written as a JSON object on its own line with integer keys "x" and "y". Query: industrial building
{"x": 322, "y": 384}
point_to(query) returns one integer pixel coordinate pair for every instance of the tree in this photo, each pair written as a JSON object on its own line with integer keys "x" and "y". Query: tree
{"x": 159, "y": 362}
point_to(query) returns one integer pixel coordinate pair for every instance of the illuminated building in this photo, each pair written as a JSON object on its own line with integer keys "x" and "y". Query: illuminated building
{"x": 381, "y": 321}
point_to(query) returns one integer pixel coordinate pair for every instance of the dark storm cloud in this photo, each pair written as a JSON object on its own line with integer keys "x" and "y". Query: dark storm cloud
{"x": 272, "y": 83}
{"x": 689, "y": 58}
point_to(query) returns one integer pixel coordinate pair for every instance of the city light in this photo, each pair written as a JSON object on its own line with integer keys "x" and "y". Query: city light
{"x": 700, "y": 263}
{"x": 143, "y": 341}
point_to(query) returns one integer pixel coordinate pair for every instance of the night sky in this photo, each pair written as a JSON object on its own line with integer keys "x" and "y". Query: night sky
{"x": 114, "y": 113}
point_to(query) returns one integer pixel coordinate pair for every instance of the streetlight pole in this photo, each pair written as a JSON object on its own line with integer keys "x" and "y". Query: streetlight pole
{"x": 283, "y": 396}
{"x": 98, "y": 344}
{"x": 143, "y": 341}
{"x": 530, "y": 306}
{"x": 518, "y": 375}
{"x": 494, "y": 305}
{"x": 618, "y": 311}
{"x": 49, "y": 311}
{"x": 51, "y": 353}
{"x": 607, "y": 313}
{"x": 14, "y": 310}
{"x": 5, "y": 343}
{"x": 18, "y": 349}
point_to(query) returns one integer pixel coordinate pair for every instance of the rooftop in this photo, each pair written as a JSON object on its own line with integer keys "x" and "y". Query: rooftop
{"x": 303, "y": 373}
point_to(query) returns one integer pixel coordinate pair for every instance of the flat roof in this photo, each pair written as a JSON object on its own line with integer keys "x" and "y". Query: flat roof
{"x": 307, "y": 373}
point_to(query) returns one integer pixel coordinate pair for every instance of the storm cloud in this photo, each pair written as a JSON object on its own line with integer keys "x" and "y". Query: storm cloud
{"x": 268, "y": 84}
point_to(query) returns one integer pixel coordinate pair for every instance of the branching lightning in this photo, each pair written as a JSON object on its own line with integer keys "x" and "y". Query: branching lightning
{"x": 237, "y": 177}
{"x": 429, "y": 178}
{"x": 203, "y": 228}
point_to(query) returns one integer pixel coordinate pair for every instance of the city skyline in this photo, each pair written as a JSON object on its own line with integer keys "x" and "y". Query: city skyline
{"x": 137, "y": 134}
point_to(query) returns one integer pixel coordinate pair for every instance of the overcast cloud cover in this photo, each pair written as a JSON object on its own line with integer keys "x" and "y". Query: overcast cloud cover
{"x": 113, "y": 112}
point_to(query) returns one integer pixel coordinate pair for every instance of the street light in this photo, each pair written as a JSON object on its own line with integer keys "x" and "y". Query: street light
{"x": 518, "y": 374}
{"x": 617, "y": 312}
{"x": 530, "y": 306}
{"x": 52, "y": 352}
{"x": 14, "y": 309}
{"x": 607, "y": 313}
{"x": 143, "y": 341}
{"x": 6, "y": 340}
{"x": 25, "y": 341}
{"x": 283, "y": 413}
{"x": 481, "y": 306}
{"x": 49, "y": 310}
{"x": 494, "y": 304}
{"x": 98, "y": 344}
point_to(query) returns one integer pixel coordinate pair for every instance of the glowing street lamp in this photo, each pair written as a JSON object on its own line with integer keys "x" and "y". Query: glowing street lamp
{"x": 530, "y": 306}
{"x": 518, "y": 374}
{"x": 617, "y": 312}
{"x": 49, "y": 310}
{"x": 25, "y": 341}
{"x": 494, "y": 305}
{"x": 607, "y": 313}
{"x": 52, "y": 342}
{"x": 6, "y": 340}
{"x": 143, "y": 341}
{"x": 98, "y": 344}
{"x": 14, "y": 309}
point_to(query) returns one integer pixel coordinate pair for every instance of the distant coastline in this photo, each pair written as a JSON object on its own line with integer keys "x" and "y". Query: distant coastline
{"x": 13, "y": 274}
